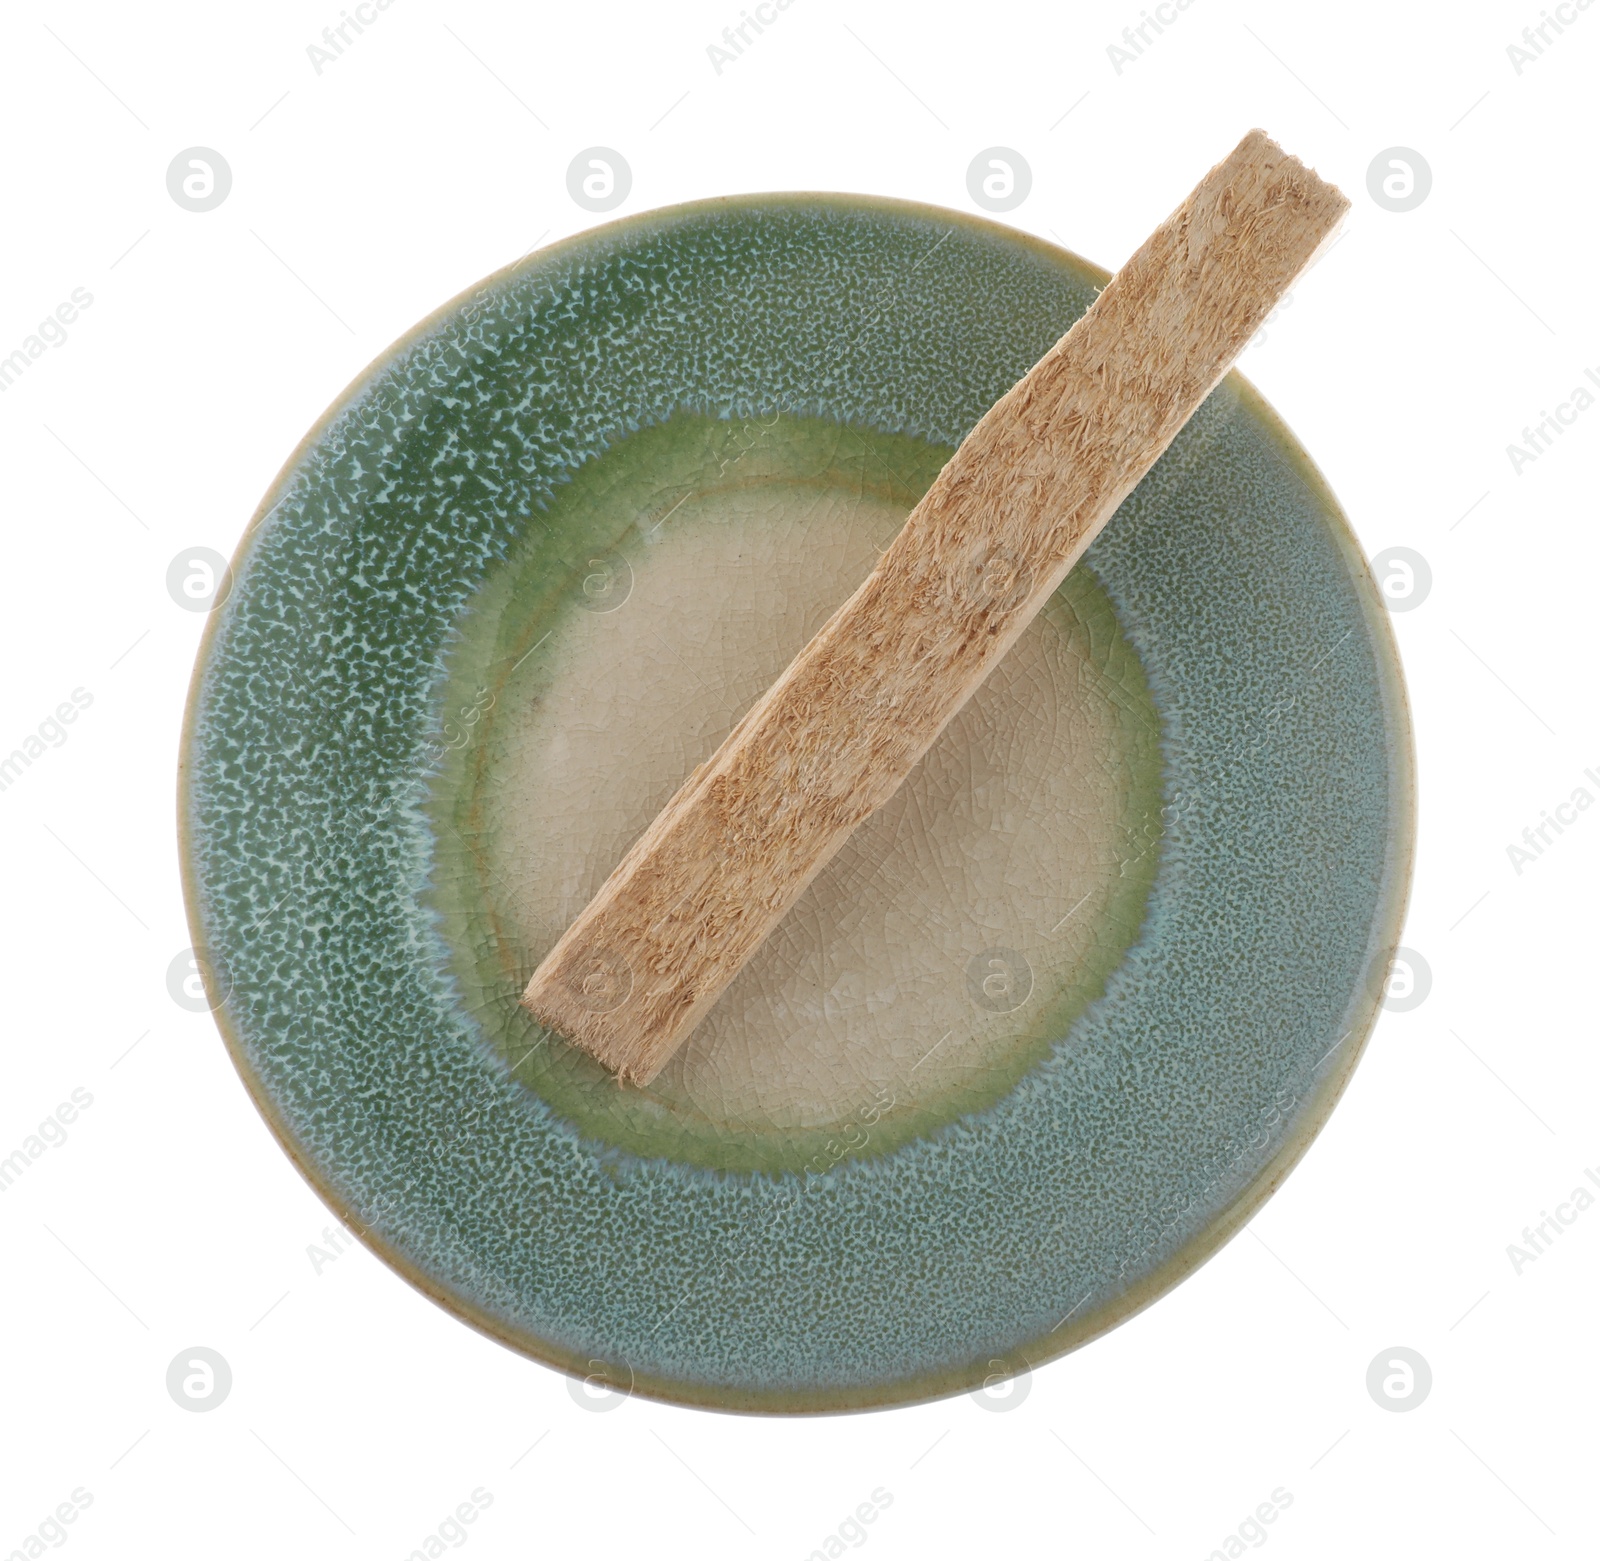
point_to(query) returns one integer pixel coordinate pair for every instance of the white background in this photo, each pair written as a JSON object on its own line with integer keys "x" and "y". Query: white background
{"x": 363, "y": 197}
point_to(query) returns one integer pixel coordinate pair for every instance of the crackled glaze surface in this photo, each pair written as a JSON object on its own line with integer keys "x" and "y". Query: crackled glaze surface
{"x": 953, "y": 939}
{"x": 324, "y": 855}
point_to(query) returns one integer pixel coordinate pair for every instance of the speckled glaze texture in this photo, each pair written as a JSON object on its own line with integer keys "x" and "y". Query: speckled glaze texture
{"x": 1167, "y": 1112}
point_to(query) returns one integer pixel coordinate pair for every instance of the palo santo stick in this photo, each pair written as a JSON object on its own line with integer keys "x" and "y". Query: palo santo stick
{"x": 1013, "y": 510}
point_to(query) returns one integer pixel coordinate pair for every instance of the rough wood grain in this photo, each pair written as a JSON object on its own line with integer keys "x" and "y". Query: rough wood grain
{"x": 1012, "y": 511}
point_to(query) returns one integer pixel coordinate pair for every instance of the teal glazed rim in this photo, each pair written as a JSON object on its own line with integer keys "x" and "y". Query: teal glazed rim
{"x": 1163, "y": 1118}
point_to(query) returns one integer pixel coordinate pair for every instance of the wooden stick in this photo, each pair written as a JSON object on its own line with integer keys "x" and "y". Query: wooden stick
{"x": 1013, "y": 510}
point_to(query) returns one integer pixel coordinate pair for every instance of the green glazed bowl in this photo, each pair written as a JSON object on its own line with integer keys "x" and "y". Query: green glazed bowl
{"x": 1045, "y": 1033}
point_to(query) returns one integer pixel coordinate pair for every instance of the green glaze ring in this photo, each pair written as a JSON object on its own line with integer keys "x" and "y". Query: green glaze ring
{"x": 1043, "y": 1035}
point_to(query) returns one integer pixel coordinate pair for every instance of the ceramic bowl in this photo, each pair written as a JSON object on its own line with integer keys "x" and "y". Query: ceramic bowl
{"x": 1043, "y": 1035}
